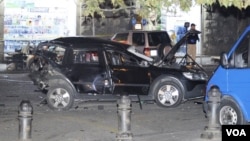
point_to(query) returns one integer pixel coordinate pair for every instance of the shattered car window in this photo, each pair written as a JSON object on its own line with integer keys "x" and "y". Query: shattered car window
{"x": 53, "y": 52}
{"x": 58, "y": 51}
{"x": 59, "y": 54}
{"x": 83, "y": 57}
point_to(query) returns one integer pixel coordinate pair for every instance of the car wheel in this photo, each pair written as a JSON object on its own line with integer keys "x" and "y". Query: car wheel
{"x": 229, "y": 113}
{"x": 60, "y": 97}
{"x": 168, "y": 94}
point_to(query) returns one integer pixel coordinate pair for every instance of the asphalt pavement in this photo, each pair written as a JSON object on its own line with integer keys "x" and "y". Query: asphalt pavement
{"x": 95, "y": 121}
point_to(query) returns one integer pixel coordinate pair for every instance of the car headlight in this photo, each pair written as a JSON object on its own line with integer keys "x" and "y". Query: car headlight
{"x": 195, "y": 76}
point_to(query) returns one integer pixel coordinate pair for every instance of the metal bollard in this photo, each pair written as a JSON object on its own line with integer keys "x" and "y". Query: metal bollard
{"x": 213, "y": 128}
{"x": 25, "y": 112}
{"x": 124, "y": 119}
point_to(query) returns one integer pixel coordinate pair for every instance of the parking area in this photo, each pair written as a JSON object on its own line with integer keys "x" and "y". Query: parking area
{"x": 95, "y": 121}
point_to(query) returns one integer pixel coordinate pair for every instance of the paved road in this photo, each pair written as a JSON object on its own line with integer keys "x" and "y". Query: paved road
{"x": 95, "y": 121}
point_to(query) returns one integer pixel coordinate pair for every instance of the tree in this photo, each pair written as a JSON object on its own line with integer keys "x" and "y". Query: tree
{"x": 144, "y": 7}
{"x": 240, "y": 4}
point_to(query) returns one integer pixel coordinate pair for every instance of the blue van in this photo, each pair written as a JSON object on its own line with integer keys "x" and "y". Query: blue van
{"x": 232, "y": 76}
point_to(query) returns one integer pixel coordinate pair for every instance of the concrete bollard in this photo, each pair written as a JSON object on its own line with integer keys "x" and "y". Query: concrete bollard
{"x": 25, "y": 112}
{"x": 124, "y": 119}
{"x": 213, "y": 130}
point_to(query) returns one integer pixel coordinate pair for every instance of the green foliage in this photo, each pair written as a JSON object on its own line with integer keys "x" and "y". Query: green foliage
{"x": 240, "y": 4}
{"x": 145, "y": 7}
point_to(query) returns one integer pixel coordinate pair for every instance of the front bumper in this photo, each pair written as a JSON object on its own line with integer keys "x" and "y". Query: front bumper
{"x": 196, "y": 91}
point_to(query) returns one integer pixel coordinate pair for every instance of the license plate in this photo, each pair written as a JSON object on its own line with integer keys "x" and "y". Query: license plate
{"x": 153, "y": 53}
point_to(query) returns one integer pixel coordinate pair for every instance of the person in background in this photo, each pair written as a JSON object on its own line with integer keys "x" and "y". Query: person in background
{"x": 191, "y": 44}
{"x": 173, "y": 37}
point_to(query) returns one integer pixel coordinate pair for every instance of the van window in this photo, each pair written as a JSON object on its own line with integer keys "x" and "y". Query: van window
{"x": 138, "y": 39}
{"x": 156, "y": 38}
{"x": 239, "y": 58}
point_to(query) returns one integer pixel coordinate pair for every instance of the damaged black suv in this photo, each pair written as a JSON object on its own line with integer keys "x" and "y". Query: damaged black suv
{"x": 71, "y": 68}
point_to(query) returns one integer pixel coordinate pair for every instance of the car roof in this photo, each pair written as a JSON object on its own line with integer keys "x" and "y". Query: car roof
{"x": 79, "y": 41}
{"x": 140, "y": 31}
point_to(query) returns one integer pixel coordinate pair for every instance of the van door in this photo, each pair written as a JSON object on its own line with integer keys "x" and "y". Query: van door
{"x": 238, "y": 73}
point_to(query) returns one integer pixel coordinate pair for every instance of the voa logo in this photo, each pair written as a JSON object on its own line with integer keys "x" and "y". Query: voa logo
{"x": 236, "y": 132}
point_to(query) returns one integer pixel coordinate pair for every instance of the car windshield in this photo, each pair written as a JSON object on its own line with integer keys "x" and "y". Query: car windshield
{"x": 156, "y": 38}
{"x": 54, "y": 52}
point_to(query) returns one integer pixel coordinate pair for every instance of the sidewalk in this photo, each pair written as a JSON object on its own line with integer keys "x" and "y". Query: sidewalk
{"x": 3, "y": 67}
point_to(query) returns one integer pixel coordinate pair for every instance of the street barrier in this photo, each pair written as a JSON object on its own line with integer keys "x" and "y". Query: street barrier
{"x": 25, "y": 113}
{"x": 124, "y": 107}
{"x": 213, "y": 130}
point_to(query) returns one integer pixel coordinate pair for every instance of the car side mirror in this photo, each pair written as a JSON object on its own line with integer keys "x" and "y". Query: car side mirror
{"x": 224, "y": 60}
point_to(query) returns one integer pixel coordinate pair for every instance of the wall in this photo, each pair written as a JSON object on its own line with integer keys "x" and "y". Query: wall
{"x": 102, "y": 27}
{"x": 33, "y": 21}
{"x": 1, "y": 30}
{"x": 221, "y": 28}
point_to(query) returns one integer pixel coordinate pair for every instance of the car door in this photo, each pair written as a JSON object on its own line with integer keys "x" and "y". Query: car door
{"x": 127, "y": 75}
{"x": 87, "y": 72}
{"x": 238, "y": 73}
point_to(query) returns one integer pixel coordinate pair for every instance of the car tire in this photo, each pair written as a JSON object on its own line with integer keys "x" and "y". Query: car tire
{"x": 60, "y": 96}
{"x": 168, "y": 94}
{"x": 229, "y": 113}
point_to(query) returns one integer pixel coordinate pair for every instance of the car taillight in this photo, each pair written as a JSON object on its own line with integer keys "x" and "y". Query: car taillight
{"x": 150, "y": 52}
{"x": 146, "y": 51}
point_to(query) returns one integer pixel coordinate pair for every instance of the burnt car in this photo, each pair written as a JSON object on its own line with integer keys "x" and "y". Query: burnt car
{"x": 88, "y": 68}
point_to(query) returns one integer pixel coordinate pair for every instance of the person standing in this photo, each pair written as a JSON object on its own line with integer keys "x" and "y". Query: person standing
{"x": 191, "y": 44}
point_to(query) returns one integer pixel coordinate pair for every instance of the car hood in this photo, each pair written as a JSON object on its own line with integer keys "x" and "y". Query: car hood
{"x": 177, "y": 46}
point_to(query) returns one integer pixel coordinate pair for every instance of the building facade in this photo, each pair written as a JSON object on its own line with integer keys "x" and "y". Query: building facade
{"x": 220, "y": 27}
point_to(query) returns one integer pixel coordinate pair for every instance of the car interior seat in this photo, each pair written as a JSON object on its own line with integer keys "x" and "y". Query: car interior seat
{"x": 116, "y": 59}
{"x": 238, "y": 61}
